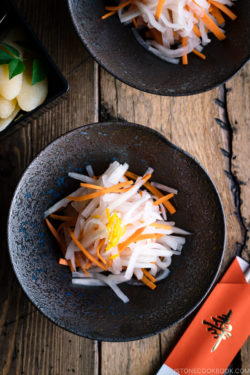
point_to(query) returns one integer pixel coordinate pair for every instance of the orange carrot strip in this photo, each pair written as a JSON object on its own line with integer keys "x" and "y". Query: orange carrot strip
{"x": 153, "y": 236}
{"x": 91, "y": 186}
{"x": 163, "y": 199}
{"x": 135, "y": 23}
{"x": 112, "y": 189}
{"x": 148, "y": 275}
{"x": 65, "y": 224}
{"x": 198, "y": 53}
{"x": 131, "y": 175}
{"x": 146, "y": 178}
{"x": 107, "y": 15}
{"x": 98, "y": 251}
{"x": 62, "y": 218}
{"x": 63, "y": 262}
{"x": 115, "y": 8}
{"x": 88, "y": 265}
{"x": 224, "y": 9}
{"x": 213, "y": 27}
{"x": 217, "y": 14}
{"x": 157, "y": 35}
{"x": 196, "y": 31}
{"x": 78, "y": 262}
{"x": 184, "y": 57}
{"x": 161, "y": 226}
{"x": 159, "y": 8}
{"x": 149, "y": 283}
{"x": 84, "y": 251}
{"x": 57, "y": 237}
{"x": 154, "y": 191}
{"x": 131, "y": 239}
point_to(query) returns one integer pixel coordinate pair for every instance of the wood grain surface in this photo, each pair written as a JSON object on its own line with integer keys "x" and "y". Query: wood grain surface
{"x": 30, "y": 343}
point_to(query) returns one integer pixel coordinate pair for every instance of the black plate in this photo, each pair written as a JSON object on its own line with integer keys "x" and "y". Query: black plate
{"x": 114, "y": 46}
{"x": 95, "y": 312}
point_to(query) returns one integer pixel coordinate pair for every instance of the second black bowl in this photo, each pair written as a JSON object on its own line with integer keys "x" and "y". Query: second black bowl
{"x": 114, "y": 46}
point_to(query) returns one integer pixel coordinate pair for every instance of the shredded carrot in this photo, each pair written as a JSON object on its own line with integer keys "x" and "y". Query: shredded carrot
{"x": 213, "y": 27}
{"x": 196, "y": 31}
{"x": 163, "y": 199}
{"x": 154, "y": 191}
{"x": 184, "y": 57}
{"x": 147, "y": 282}
{"x": 161, "y": 226}
{"x": 63, "y": 262}
{"x": 56, "y": 235}
{"x": 150, "y": 236}
{"x": 112, "y": 189}
{"x": 101, "y": 243}
{"x": 159, "y": 8}
{"x": 198, "y": 53}
{"x": 135, "y": 23}
{"x": 91, "y": 186}
{"x": 157, "y": 35}
{"x": 115, "y": 8}
{"x": 131, "y": 239}
{"x": 148, "y": 275}
{"x": 224, "y": 9}
{"x": 84, "y": 251}
{"x": 216, "y": 13}
{"x": 106, "y": 16}
{"x": 62, "y": 218}
{"x": 79, "y": 261}
{"x": 88, "y": 265}
{"x": 146, "y": 178}
{"x": 65, "y": 224}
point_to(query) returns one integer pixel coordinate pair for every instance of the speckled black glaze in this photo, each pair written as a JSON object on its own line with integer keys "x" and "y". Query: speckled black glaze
{"x": 114, "y": 46}
{"x": 95, "y": 312}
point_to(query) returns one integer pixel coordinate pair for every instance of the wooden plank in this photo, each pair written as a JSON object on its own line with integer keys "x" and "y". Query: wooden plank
{"x": 29, "y": 343}
{"x": 189, "y": 123}
{"x": 239, "y": 117}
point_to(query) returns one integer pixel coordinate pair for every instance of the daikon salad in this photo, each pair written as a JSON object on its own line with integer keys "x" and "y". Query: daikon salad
{"x": 114, "y": 229}
{"x": 174, "y": 28}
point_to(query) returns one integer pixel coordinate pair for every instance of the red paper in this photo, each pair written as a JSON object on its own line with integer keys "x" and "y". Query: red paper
{"x": 218, "y": 331}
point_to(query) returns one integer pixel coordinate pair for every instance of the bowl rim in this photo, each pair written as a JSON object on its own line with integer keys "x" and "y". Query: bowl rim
{"x": 164, "y": 139}
{"x": 142, "y": 88}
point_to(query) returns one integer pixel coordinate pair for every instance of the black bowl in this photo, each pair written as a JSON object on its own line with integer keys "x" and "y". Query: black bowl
{"x": 58, "y": 86}
{"x": 115, "y": 47}
{"x": 95, "y": 312}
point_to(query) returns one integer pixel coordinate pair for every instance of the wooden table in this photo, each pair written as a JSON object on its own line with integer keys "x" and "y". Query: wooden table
{"x": 211, "y": 126}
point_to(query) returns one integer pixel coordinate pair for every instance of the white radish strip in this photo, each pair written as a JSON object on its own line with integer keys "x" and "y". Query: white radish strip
{"x": 163, "y": 275}
{"x": 114, "y": 287}
{"x": 88, "y": 210}
{"x": 180, "y": 231}
{"x": 162, "y": 56}
{"x": 62, "y": 203}
{"x": 87, "y": 282}
{"x": 90, "y": 171}
{"x": 164, "y": 188}
{"x": 82, "y": 178}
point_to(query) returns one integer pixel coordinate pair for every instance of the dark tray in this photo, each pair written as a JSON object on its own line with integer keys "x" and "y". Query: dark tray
{"x": 58, "y": 85}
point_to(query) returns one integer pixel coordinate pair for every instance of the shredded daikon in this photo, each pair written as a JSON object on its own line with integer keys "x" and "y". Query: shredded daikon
{"x": 174, "y": 28}
{"x": 121, "y": 230}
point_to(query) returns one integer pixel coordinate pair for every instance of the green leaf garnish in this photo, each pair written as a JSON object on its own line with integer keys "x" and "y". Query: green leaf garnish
{"x": 39, "y": 71}
{"x": 11, "y": 49}
{"x": 5, "y": 57}
{"x": 16, "y": 67}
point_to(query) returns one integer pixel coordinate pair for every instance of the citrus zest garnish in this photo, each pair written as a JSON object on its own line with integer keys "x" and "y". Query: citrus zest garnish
{"x": 115, "y": 230}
